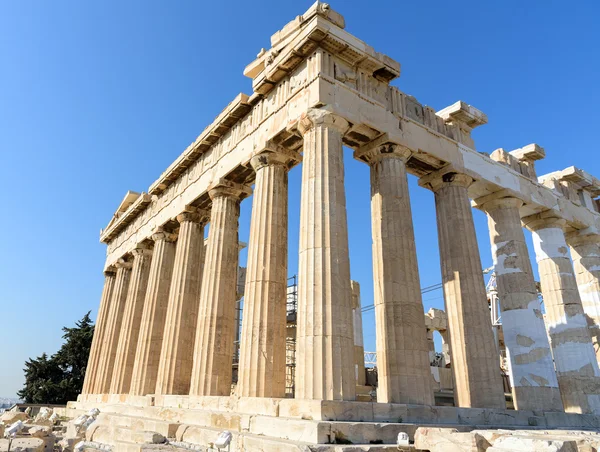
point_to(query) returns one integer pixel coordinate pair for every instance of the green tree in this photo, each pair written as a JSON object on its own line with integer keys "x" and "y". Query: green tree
{"x": 58, "y": 379}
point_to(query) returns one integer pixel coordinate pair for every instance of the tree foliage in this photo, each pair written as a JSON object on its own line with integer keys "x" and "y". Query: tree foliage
{"x": 59, "y": 378}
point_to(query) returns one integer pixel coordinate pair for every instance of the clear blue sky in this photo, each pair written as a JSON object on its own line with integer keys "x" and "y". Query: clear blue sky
{"x": 97, "y": 98}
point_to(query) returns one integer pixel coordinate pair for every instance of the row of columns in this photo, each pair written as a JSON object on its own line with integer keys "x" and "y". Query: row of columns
{"x": 177, "y": 306}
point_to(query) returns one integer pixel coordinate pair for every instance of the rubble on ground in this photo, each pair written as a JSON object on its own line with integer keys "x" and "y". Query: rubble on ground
{"x": 46, "y": 432}
{"x": 451, "y": 440}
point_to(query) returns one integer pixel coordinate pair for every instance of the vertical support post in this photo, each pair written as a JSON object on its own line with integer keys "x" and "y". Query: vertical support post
{"x": 475, "y": 363}
{"x": 325, "y": 349}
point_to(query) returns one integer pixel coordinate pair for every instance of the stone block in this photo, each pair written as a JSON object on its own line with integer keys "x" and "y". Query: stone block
{"x": 22, "y": 445}
{"x": 205, "y": 436}
{"x": 39, "y": 431}
{"x": 292, "y": 429}
{"x": 10, "y": 417}
{"x": 449, "y": 440}
{"x": 259, "y": 405}
{"x": 261, "y": 443}
{"x": 67, "y": 444}
{"x": 533, "y": 443}
{"x": 49, "y": 442}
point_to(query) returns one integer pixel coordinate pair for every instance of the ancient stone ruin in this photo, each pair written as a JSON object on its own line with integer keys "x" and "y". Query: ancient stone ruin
{"x": 161, "y": 361}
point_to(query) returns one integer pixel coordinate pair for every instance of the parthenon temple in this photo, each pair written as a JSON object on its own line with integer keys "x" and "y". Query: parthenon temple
{"x": 165, "y": 356}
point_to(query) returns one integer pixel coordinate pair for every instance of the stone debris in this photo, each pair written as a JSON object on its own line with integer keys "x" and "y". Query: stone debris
{"x": 451, "y": 440}
{"x": 77, "y": 428}
{"x": 13, "y": 416}
{"x": 44, "y": 414}
{"x": 39, "y": 431}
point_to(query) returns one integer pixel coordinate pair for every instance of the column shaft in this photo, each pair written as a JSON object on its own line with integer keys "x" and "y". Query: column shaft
{"x": 533, "y": 378}
{"x": 325, "y": 350}
{"x": 574, "y": 357}
{"x": 99, "y": 331}
{"x": 175, "y": 369}
{"x": 147, "y": 355}
{"x": 475, "y": 361}
{"x": 357, "y": 330}
{"x": 404, "y": 374}
{"x": 113, "y": 329}
{"x": 262, "y": 350}
{"x": 215, "y": 333}
{"x": 586, "y": 262}
{"x": 130, "y": 327}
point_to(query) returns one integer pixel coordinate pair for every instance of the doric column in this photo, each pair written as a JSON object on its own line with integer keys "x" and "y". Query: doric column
{"x": 325, "y": 349}
{"x": 111, "y": 334}
{"x": 574, "y": 357}
{"x": 147, "y": 355}
{"x": 359, "y": 348}
{"x": 99, "y": 331}
{"x": 132, "y": 317}
{"x": 585, "y": 251}
{"x": 175, "y": 368}
{"x": 262, "y": 350}
{"x": 475, "y": 361}
{"x": 404, "y": 374}
{"x": 215, "y": 333}
{"x": 533, "y": 378}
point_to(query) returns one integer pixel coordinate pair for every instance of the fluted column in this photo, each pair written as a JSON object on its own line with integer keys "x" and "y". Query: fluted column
{"x": 325, "y": 350}
{"x": 357, "y": 330}
{"x": 147, "y": 355}
{"x": 533, "y": 378}
{"x": 110, "y": 338}
{"x": 404, "y": 374}
{"x": 99, "y": 331}
{"x": 132, "y": 317}
{"x": 574, "y": 357}
{"x": 215, "y": 333}
{"x": 175, "y": 368}
{"x": 585, "y": 251}
{"x": 262, "y": 344}
{"x": 475, "y": 361}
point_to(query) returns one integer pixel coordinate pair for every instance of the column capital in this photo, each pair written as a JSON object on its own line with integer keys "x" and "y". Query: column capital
{"x": 141, "y": 250}
{"x": 110, "y": 271}
{"x": 194, "y": 215}
{"x": 381, "y": 148}
{"x": 160, "y": 234}
{"x": 122, "y": 263}
{"x": 272, "y": 154}
{"x": 587, "y": 236}
{"x": 544, "y": 220}
{"x": 227, "y": 188}
{"x": 445, "y": 177}
{"x": 497, "y": 200}
{"x": 319, "y": 116}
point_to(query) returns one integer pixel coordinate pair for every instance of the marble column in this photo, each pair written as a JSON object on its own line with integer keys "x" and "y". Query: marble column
{"x": 585, "y": 251}
{"x": 147, "y": 354}
{"x": 325, "y": 348}
{"x": 404, "y": 374}
{"x": 111, "y": 334}
{"x": 215, "y": 333}
{"x": 533, "y": 378}
{"x": 475, "y": 362}
{"x": 357, "y": 330}
{"x": 574, "y": 357}
{"x": 175, "y": 368}
{"x": 262, "y": 343}
{"x": 132, "y": 317}
{"x": 99, "y": 331}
